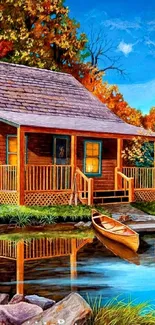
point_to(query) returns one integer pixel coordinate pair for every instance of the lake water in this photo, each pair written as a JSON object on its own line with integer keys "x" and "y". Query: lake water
{"x": 53, "y": 266}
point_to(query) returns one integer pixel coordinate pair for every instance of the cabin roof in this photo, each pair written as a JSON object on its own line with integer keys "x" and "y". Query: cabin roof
{"x": 72, "y": 123}
{"x": 39, "y": 97}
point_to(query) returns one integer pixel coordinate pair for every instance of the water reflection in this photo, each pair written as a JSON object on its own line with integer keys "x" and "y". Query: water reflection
{"x": 37, "y": 249}
{"x": 52, "y": 267}
{"x": 119, "y": 249}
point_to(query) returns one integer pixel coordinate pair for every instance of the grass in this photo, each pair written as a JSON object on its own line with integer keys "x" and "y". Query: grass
{"x": 26, "y": 216}
{"x": 120, "y": 313}
{"x": 148, "y": 207}
{"x": 79, "y": 234}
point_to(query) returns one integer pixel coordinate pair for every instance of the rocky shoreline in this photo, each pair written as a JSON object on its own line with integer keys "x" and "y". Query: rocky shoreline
{"x": 30, "y": 310}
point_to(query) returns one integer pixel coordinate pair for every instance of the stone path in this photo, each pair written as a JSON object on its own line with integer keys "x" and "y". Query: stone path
{"x": 126, "y": 209}
{"x": 141, "y": 221}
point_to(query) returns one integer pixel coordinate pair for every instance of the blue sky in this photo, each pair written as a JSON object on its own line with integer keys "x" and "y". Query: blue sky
{"x": 131, "y": 27}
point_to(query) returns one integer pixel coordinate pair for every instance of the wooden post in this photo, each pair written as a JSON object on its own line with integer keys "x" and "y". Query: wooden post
{"x": 20, "y": 165}
{"x": 20, "y": 267}
{"x": 73, "y": 262}
{"x": 119, "y": 153}
{"x": 90, "y": 191}
{"x": 116, "y": 179}
{"x": 119, "y": 161}
{"x": 73, "y": 155}
{"x": 131, "y": 190}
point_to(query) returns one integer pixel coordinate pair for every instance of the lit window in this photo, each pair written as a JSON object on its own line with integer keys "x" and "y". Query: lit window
{"x": 92, "y": 158}
{"x": 12, "y": 150}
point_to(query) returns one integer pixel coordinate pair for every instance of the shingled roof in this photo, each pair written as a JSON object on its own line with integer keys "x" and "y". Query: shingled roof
{"x": 27, "y": 93}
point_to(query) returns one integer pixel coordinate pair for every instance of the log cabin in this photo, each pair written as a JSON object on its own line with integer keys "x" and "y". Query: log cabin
{"x": 57, "y": 140}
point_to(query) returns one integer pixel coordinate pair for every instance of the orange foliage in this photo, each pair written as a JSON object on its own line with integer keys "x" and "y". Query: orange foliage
{"x": 149, "y": 120}
{"x": 5, "y": 48}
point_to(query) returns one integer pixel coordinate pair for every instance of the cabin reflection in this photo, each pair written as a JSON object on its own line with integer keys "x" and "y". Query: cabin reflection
{"x": 42, "y": 248}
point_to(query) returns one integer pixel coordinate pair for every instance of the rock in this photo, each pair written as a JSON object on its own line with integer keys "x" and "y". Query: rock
{"x": 71, "y": 310}
{"x": 4, "y": 298}
{"x": 125, "y": 218}
{"x": 42, "y": 302}
{"x": 87, "y": 224}
{"x": 83, "y": 224}
{"x": 79, "y": 224}
{"x": 16, "y": 299}
{"x": 18, "y": 313}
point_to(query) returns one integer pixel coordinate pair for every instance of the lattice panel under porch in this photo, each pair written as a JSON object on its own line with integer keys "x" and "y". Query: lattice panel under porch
{"x": 46, "y": 199}
{"x": 9, "y": 197}
{"x": 146, "y": 196}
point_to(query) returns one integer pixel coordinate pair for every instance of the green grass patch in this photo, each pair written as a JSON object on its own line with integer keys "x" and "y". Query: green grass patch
{"x": 148, "y": 207}
{"x": 26, "y": 216}
{"x": 77, "y": 233}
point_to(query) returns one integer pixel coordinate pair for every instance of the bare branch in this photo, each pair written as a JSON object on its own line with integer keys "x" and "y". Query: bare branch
{"x": 103, "y": 49}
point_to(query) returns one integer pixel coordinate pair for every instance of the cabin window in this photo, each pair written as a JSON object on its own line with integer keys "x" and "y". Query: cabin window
{"x": 12, "y": 150}
{"x": 92, "y": 157}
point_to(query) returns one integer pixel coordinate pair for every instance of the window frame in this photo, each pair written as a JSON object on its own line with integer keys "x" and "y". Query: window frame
{"x": 100, "y": 142}
{"x": 13, "y": 153}
{"x": 67, "y": 138}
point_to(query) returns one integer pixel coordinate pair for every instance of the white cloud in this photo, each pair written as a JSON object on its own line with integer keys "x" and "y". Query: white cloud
{"x": 123, "y": 25}
{"x": 151, "y": 25}
{"x": 125, "y": 48}
{"x": 150, "y": 43}
{"x": 95, "y": 14}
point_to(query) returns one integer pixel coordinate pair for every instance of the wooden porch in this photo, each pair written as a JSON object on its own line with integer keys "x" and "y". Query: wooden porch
{"x": 40, "y": 177}
{"x": 54, "y": 184}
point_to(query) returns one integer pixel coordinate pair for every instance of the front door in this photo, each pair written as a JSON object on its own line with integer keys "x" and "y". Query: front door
{"x": 61, "y": 158}
{"x": 61, "y": 150}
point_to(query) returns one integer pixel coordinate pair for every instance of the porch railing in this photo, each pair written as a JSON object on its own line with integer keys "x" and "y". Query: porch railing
{"x": 84, "y": 187}
{"x": 125, "y": 183}
{"x": 143, "y": 177}
{"x": 8, "y": 178}
{"x": 37, "y": 177}
{"x": 47, "y": 178}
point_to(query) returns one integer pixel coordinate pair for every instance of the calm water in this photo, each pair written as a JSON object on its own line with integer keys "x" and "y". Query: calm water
{"x": 52, "y": 267}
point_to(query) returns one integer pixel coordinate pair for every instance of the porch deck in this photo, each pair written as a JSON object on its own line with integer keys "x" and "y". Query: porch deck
{"x": 55, "y": 184}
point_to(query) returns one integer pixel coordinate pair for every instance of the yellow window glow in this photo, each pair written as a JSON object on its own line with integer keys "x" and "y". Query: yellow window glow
{"x": 92, "y": 157}
{"x": 12, "y": 159}
{"x": 12, "y": 145}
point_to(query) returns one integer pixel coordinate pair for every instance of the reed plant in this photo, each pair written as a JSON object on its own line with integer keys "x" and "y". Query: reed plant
{"x": 117, "y": 312}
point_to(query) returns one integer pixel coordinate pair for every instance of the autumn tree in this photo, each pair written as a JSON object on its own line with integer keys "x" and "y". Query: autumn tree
{"x": 41, "y": 31}
{"x": 149, "y": 120}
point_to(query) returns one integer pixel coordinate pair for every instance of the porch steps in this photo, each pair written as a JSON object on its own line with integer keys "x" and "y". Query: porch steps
{"x": 111, "y": 196}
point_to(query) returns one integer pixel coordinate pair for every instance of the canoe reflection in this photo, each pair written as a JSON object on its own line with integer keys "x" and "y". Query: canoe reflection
{"x": 119, "y": 249}
{"x": 42, "y": 248}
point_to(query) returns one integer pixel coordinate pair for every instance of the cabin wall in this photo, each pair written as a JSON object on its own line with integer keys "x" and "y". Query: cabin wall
{"x": 4, "y": 131}
{"x": 109, "y": 162}
{"x": 39, "y": 149}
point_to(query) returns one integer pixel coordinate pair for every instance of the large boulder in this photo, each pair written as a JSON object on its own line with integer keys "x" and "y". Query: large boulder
{"x": 72, "y": 310}
{"x": 4, "y": 298}
{"x": 17, "y": 298}
{"x": 16, "y": 314}
{"x": 42, "y": 302}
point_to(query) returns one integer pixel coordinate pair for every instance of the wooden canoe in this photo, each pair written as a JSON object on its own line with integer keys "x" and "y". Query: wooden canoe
{"x": 115, "y": 230}
{"x": 119, "y": 249}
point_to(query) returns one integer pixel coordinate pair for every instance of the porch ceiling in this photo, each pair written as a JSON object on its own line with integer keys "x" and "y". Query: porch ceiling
{"x": 71, "y": 123}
